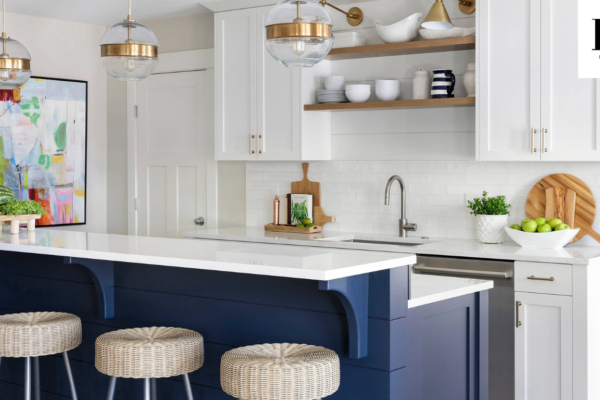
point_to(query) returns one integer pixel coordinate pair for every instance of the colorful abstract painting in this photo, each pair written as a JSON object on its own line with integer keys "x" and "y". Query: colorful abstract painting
{"x": 43, "y": 134}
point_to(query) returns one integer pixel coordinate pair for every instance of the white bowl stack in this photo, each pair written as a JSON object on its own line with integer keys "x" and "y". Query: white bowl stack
{"x": 358, "y": 93}
{"x": 335, "y": 92}
{"x": 387, "y": 90}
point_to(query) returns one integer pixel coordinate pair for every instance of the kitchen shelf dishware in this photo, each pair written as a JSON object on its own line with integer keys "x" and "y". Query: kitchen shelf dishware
{"x": 548, "y": 240}
{"x": 406, "y": 30}
{"x": 390, "y": 105}
{"x": 400, "y": 49}
{"x": 432, "y": 34}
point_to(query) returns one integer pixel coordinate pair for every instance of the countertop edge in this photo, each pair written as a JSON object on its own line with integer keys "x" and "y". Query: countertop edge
{"x": 451, "y": 294}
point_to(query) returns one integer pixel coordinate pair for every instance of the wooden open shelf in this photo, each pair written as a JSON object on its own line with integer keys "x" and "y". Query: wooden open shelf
{"x": 399, "y": 49}
{"x": 390, "y": 105}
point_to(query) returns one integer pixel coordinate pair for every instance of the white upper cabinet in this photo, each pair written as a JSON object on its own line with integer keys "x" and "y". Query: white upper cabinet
{"x": 278, "y": 102}
{"x": 509, "y": 80}
{"x": 570, "y": 114}
{"x": 235, "y": 79}
{"x": 259, "y": 102}
{"x": 531, "y": 104}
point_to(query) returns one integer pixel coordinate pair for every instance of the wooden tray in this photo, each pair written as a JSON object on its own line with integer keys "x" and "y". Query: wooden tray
{"x": 565, "y": 197}
{"x": 307, "y": 187}
{"x": 292, "y": 229}
{"x": 16, "y": 221}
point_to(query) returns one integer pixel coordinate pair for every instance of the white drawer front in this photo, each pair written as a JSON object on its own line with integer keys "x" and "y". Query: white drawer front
{"x": 544, "y": 278}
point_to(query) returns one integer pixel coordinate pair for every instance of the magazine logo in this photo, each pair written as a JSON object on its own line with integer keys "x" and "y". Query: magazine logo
{"x": 589, "y": 38}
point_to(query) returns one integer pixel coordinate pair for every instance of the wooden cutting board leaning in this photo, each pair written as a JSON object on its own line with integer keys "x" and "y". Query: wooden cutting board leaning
{"x": 567, "y": 198}
{"x": 307, "y": 187}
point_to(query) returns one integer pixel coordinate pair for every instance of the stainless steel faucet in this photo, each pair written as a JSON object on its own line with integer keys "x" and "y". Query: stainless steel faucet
{"x": 404, "y": 225}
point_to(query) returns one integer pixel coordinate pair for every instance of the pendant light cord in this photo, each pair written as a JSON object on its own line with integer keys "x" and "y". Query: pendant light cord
{"x": 129, "y": 9}
{"x": 3, "y": 16}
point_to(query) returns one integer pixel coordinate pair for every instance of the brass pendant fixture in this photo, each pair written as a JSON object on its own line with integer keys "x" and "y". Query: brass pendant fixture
{"x": 438, "y": 18}
{"x": 298, "y": 32}
{"x": 129, "y": 50}
{"x": 15, "y": 60}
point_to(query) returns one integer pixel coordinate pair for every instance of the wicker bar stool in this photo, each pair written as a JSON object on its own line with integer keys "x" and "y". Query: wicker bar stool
{"x": 280, "y": 372}
{"x": 148, "y": 354}
{"x": 37, "y": 334}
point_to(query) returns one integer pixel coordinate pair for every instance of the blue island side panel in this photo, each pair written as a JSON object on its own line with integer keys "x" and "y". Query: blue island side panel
{"x": 228, "y": 309}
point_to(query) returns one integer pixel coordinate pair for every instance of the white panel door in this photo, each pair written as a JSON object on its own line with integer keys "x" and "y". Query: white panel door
{"x": 509, "y": 80}
{"x": 278, "y": 91}
{"x": 569, "y": 105}
{"x": 544, "y": 347}
{"x": 174, "y": 122}
{"x": 235, "y": 76}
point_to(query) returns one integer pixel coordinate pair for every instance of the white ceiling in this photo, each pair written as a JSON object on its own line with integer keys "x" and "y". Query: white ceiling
{"x": 105, "y": 12}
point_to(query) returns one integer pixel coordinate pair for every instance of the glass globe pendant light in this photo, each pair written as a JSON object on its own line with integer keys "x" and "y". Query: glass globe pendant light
{"x": 129, "y": 50}
{"x": 14, "y": 60}
{"x": 299, "y": 33}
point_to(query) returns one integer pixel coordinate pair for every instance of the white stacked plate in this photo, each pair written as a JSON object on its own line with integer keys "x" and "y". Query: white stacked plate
{"x": 332, "y": 96}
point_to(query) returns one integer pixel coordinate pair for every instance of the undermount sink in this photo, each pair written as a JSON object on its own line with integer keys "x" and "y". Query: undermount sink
{"x": 380, "y": 242}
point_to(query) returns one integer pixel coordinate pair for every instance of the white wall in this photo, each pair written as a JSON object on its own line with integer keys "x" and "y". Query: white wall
{"x": 436, "y": 198}
{"x": 70, "y": 50}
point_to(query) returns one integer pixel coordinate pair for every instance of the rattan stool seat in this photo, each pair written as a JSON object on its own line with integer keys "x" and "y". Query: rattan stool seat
{"x": 280, "y": 372}
{"x": 149, "y": 352}
{"x": 38, "y": 334}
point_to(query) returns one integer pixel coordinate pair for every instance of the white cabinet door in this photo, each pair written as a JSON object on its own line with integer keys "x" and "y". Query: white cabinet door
{"x": 278, "y": 102}
{"x": 570, "y": 124}
{"x": 509, "y": 80}
{"x": 544, "y": 347}
{"x": 235, "y": 76}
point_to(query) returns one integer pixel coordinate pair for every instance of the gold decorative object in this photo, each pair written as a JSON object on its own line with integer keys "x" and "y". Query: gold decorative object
{"x": 438, "y": 17}
{"x": 467, "y": 6}
{"x": 355, "y": 15}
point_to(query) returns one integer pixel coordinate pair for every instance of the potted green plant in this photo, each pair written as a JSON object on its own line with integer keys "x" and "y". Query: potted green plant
{"x": 492, "y": 217}
{"x": 17, "y": 212}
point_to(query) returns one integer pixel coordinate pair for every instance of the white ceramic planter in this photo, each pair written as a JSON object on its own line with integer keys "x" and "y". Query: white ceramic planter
{"x": 490, "y": 228}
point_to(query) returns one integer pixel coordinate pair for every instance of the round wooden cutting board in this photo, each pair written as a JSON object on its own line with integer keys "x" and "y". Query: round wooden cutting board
{"x": 585, "y": 205}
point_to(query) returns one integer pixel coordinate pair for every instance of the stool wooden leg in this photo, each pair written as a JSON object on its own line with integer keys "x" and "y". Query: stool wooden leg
{"x": 70, "y": 376}
{"x": 153, "y": 393}
{"x": 147, "y": 389}
{"x": 27, "y": 378}
{"x": 188, "y": 387}
{"x": 111, "y": 388}
{"x": 36, "y": 379}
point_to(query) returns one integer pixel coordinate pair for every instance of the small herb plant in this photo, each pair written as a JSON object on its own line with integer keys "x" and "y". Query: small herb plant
{"x": 489, "y": 206}
{"x": 16, "y": 207}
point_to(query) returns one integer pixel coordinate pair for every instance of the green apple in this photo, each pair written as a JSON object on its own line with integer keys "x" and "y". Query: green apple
{"x": 309, "y": 225}
{"x": 554, "y": 222}
{"x": 541, "y": 221}
{"x": 300, "y": 225}
{"x": 523, "y": 222}
{"x": 530, "y": 226}
{"x": 544, "y": 228}
{"x": 306, "y": 221}
{"x": 516, "y": 227}
{"x": 562, "y": 227}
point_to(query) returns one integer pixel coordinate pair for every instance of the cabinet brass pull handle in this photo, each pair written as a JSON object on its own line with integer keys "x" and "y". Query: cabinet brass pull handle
{"x": 534, "y": 278}
{"x": 258, "y": 144}
{"x": 533, "y": 148}
{"x": 544, "y": 148}
{"x": 519, "y": 323}
{"x": 251, "y": 137}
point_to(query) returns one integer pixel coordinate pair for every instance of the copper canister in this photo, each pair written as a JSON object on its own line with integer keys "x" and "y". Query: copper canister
{"x": 276, "y": 204}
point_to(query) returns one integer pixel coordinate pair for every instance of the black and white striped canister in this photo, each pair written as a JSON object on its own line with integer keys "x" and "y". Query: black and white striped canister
{"x": 443, "y": 84}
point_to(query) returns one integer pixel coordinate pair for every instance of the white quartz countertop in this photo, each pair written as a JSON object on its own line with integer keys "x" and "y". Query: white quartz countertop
{"x": 586, "y": 251}
{"x": 217, "y": 255}
{"x": 426, "y": 289}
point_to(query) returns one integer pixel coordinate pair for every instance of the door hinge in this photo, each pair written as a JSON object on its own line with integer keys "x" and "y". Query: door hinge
{"x": 137, "y": 204}
{"x": 135, "y": 111}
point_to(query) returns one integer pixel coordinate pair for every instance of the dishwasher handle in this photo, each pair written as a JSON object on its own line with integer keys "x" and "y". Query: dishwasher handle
{"x": 464, "y": 272}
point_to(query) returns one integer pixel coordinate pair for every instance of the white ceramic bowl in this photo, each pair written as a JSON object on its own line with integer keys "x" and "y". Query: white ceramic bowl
{"x": 455, "y": 32}
{"x": 390, "y": 83}
{"x": 358, "y": 88}
{"x": 358, "y": 96}
{"x": 334, "y": 82}
{"x": 387, "y": 94}
{"x": 549, "y": 240}
{"x": 406, "y": 30}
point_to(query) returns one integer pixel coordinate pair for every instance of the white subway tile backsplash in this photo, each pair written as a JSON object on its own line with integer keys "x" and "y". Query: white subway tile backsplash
{"x": 437, "y": 192}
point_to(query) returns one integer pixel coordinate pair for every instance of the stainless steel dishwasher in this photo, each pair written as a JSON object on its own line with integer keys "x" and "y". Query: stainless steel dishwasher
{"x": 502, "y": 309}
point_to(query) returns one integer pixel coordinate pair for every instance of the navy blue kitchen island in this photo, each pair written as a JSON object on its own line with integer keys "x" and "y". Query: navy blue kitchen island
{"x": 398, "y": 335}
